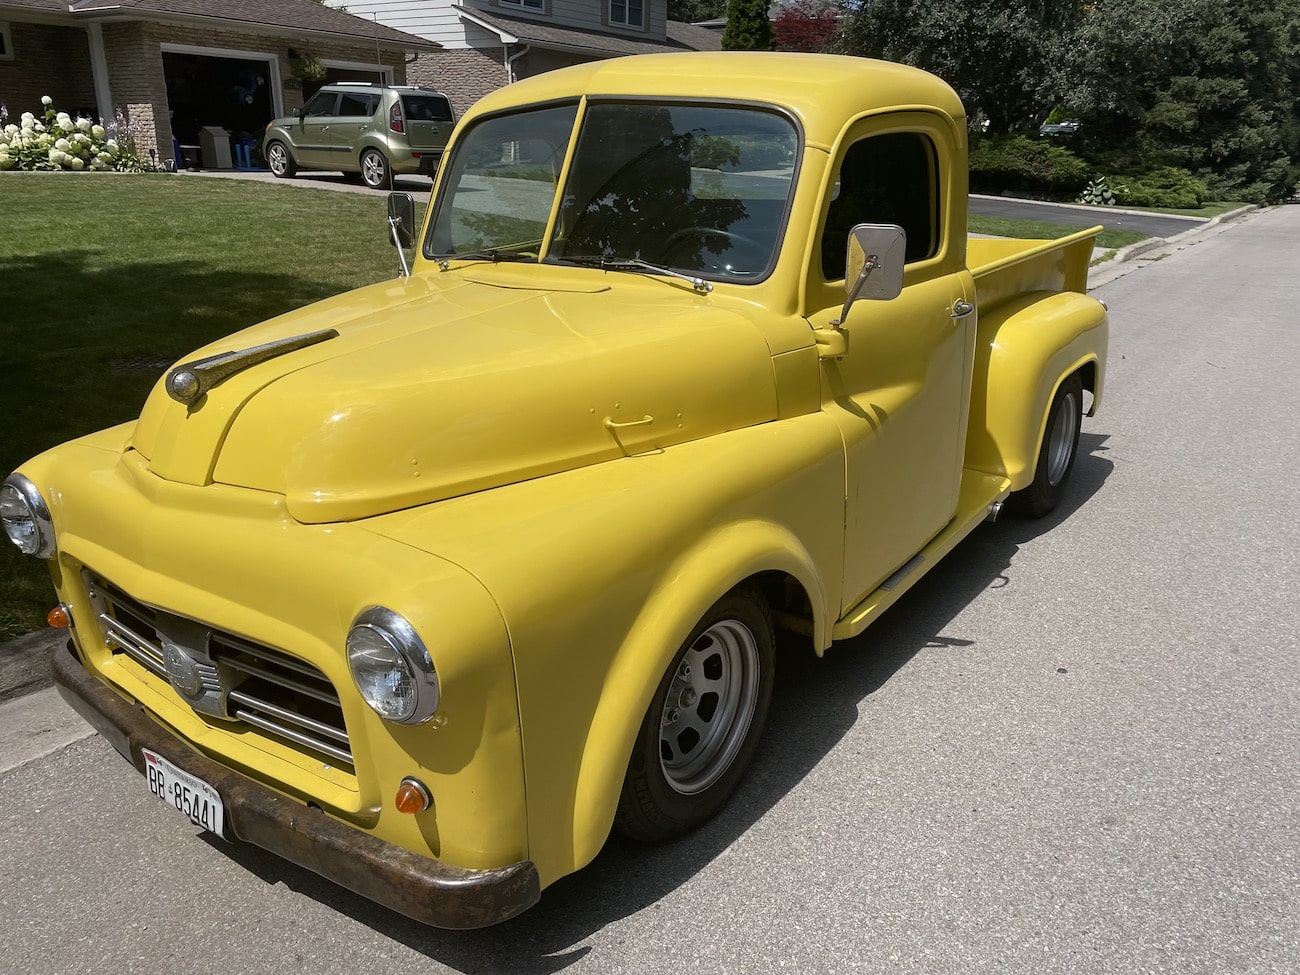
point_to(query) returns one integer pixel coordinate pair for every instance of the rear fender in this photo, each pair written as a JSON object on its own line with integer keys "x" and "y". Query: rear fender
{"x": 717, "y": 564}
{"x": 1024, "y": 350}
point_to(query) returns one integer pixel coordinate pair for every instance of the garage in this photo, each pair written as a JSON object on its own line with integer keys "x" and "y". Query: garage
{"x": 229, "y": 89}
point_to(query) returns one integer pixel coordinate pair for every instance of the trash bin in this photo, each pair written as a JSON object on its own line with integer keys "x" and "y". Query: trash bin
{"x": 215, "y": 142}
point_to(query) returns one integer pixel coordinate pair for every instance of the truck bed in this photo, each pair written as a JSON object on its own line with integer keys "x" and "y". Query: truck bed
{"x": 1004, "y": 268}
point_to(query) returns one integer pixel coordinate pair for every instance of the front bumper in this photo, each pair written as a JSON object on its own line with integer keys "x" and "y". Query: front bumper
{"x": 423, "y": 889}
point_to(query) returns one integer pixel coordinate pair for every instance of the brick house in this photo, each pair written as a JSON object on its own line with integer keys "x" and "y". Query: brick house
{"x": 486, "y": 44}
{"x": 174, "y": 66}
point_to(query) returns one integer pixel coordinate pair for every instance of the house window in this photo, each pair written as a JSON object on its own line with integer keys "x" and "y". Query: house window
{"x": 6, "y": 43}
{"x": 627, "y": 13}
{"x": 536, "y": 5}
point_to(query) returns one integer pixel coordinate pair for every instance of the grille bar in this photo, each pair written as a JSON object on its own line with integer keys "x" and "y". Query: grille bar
{"x": 258, "y": 721}
{"x": 280, "y": 679}
{"x": 302, "y": 721}
{"x": 133, "y": 643}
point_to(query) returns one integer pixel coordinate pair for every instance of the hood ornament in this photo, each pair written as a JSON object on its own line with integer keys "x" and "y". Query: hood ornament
{"x": 190, "y": 380}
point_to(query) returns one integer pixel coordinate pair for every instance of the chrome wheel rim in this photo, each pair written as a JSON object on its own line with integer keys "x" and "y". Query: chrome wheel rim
{"x": 1060, "y": 444}
{"x": 373, "y": 169}
{"x": 709, "y": 707}
{"x": 277, "y": 158}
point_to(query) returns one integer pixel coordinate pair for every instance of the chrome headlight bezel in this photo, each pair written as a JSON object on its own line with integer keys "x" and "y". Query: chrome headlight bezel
{"x": 18, "y": 491}
{"x": 379, "y": 636}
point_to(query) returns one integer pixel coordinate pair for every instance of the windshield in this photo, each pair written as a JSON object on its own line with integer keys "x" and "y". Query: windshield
{"x": 701, "y": 189}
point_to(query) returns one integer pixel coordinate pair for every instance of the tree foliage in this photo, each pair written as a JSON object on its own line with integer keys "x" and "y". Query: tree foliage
{"x": 1004, "y": 57}
{"x": 806, "y": 25}
{"x": 693, "y": 11}
{"x": 1210, "y": 86}
{"x": 748, "y": 28}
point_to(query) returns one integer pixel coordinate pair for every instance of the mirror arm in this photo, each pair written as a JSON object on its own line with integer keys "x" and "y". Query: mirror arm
{"x": 872, "y": 263}
{"x": 393, "y": 224}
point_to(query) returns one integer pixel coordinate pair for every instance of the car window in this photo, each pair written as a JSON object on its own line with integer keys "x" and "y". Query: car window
{"x": 321, "y": 103}
{"x": 357, "y": 104}
{"x": 890, "y": 178}
{"x": 426, "y": 108}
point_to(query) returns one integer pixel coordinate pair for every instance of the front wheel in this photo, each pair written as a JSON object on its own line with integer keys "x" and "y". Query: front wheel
{"x": 1056, "y": 456}
{"x": 375, "y": 171}
{"x": 280, "y": 160}
{"x": 703, "y": 723}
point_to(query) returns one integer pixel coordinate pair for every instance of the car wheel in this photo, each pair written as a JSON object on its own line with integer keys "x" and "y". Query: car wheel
{"x": 1056, "y": 456}
{"x": 280, "y": 160}
{"x": 703, "y": 723}
{"x": 375, "y": 171}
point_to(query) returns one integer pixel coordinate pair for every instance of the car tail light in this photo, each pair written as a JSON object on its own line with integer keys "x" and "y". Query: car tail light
{"x": 395, "y": 118}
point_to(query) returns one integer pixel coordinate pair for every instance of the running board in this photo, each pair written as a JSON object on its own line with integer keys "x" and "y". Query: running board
{"x": 980, "y": 499}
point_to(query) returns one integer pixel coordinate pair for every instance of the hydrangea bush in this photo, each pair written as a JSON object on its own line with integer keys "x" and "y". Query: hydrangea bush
{"x": 57, "y": 141}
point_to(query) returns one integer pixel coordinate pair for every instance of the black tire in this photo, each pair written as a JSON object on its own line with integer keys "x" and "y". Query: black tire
{"x": 1057, "y": 453}
{"x": 703, "y": 723}
{"x": 375, "y": 171}
{"x": 280, "y": 160}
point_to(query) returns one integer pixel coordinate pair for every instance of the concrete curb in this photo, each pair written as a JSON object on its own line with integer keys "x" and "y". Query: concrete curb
{"x": 25, "y": 662}
{"x": 1126, "y": 259}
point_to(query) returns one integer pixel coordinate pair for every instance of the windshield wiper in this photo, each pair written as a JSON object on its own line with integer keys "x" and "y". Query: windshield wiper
{"x": 493, "y": 254}
{"x": 635, "y": 264}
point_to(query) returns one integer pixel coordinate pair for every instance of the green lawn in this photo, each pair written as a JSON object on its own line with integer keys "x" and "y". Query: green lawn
{"x": 1001, "y": 227}
{"x": 109, "y": 278}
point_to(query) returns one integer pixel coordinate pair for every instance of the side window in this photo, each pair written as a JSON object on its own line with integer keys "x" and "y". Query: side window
{"x": 357, "y": 104}
{"x": 321, "y": 103}
{"x": 884, "y": 179}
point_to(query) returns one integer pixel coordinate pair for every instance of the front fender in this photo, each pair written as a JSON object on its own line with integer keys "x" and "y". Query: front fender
{"x": 717, "y": 563}
{"x": 1024, "y": 350}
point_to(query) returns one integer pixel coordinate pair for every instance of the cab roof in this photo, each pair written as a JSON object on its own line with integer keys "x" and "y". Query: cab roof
{"x": 823, "y": 90}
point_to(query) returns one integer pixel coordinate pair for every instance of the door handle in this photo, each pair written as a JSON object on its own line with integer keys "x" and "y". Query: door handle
{"x": 961, "y": 308}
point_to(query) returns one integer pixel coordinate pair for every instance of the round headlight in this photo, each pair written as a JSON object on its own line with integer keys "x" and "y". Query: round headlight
{"x": 391, "y": 667}
{"x": 26, "y": 518}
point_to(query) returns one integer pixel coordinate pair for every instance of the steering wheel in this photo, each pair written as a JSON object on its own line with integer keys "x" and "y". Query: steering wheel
{"x": 745, "y": 251}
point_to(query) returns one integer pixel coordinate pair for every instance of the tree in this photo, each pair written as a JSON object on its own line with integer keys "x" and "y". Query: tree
{"x": 693, "y": 11}
{"x": 806, "y": 25}
{"x": 1212, "y": 86}
{"x": 748, "y": 28}
{"x": 1005, "y": 58}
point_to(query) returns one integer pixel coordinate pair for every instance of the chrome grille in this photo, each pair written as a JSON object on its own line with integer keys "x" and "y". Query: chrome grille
{"x": 240, "y": 685}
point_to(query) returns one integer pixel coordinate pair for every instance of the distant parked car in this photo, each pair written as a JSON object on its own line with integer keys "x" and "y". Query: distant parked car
{"x": 1058, "y": 128}
{"x": 362, "y": 128}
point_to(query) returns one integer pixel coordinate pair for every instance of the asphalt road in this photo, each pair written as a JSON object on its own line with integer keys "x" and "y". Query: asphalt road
{"x": 1075, "y": 748}
{"x": 1152, "y": 224}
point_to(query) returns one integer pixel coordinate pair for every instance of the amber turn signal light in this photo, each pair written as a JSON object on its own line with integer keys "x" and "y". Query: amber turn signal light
{"x": 59, "y": 617}
{"x": 413, "y": 796}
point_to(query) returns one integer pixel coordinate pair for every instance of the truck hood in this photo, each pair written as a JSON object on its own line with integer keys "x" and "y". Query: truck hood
{"x": 437, "y": 386}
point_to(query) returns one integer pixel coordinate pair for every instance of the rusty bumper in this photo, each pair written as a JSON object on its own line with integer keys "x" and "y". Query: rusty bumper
{"x": 427, "y": 890}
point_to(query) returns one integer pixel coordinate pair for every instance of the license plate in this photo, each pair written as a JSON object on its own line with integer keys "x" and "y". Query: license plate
{"x": 187, "y": 794}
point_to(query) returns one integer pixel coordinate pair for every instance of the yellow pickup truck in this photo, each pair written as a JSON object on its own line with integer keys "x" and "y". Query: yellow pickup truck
{"x": 428, "y": 586}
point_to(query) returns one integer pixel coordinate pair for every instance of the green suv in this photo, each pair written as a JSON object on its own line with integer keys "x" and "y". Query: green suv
{"x": 365, "y": 129}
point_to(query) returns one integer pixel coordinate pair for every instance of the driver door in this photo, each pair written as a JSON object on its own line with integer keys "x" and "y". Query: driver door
{"x": 899, "y": 394}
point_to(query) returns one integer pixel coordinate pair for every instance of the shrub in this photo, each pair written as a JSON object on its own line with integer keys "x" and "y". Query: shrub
{"x": 1167, "y": 186}
{"x": 58, "y": 141}
{"x": 1034, "y": 166}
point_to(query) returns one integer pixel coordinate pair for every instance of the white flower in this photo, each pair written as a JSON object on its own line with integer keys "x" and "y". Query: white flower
{"x": 83, "y": 124}
{"x": 97, "y": 131}
{"x": 58, "y": 156}
{"x": 77, "y": 164}
{"x": 63, "y": 145}
{"x": 47, "y": 101}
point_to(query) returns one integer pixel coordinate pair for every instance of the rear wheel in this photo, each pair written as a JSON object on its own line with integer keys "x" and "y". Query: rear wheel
{"x": 1056, "y": 456}
{"x": 375, "y": 171}
{"x": 703, "y": 723}
{"x": 280, "y": 160}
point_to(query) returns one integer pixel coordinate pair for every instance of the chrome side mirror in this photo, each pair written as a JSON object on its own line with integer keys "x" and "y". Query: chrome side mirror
{"x": 873, "y": 268}
{"x": 401, "y": 225}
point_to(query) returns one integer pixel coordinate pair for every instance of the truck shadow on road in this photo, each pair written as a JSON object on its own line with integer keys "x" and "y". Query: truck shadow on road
{"x": 817, "y": 701}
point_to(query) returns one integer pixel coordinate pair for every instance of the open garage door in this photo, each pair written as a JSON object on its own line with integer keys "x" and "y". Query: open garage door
{"x": 226, "y": 90}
